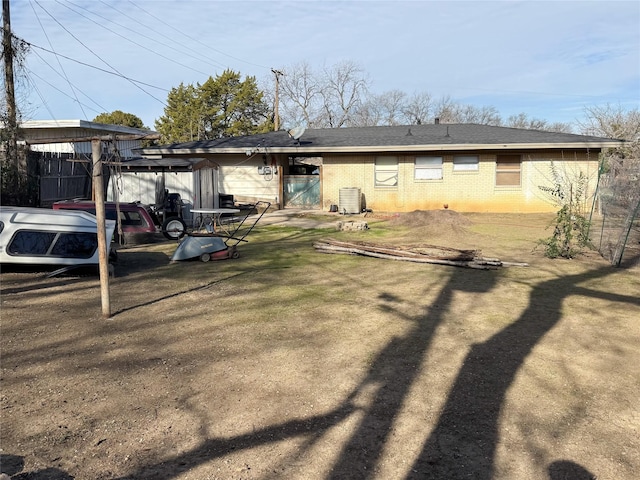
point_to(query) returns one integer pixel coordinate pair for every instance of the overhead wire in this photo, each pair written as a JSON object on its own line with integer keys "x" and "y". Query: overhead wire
{"x": 95, "y": 54}
{"x": 186, "y": 51}
{"x": 112, "y": 70}
{"x": 64, "y": 73}
{"x": 34, "y": 85}
{"x": 61, "y": 91}
{"x": 129, "y": 39}
{"x": 195, "y": 39}
{"x": 117, "y": 74}
{"x": 55, "y": 71}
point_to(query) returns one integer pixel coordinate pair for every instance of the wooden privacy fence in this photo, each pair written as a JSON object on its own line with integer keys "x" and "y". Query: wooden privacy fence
{"x": 63, "y": 177}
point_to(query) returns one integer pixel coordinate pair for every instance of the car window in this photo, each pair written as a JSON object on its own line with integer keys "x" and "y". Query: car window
{"x": 75, "y": 245}
{"x": 29, "y": 242}
{"x": 68, "y": 245}
{"x": 109, "y": 214}
{"x": 132, "y": 218}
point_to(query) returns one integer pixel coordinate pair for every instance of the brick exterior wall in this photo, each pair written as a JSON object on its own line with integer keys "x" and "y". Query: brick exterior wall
{"x": 462, "y": 191}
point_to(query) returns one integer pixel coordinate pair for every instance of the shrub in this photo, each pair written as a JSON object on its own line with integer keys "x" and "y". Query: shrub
{"x": 570, "y": 228}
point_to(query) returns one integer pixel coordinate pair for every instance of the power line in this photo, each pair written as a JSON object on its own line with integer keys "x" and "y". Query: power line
{"x": 93, "y": 17}
{"x": 195, "y": 39}
{"x": 62, "y": 92}
{"x": 64, "y": 73}
{"x": 55, "y": 71}
{"x": 131, "y": 41}
{"x": 116, "y": 74}
{"x": 95, "y": 54}
{"x": 186, "y": 51}
{"x": 44, "y": 102}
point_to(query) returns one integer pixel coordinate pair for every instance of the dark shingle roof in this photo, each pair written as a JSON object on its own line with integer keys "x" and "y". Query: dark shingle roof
{"x": 407, "y": 137}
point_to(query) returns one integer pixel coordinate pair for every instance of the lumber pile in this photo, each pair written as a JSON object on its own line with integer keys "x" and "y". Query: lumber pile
{"x": 423, "y": 253}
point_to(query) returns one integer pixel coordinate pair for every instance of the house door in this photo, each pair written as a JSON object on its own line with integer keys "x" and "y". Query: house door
{"x": 302, "y": 191}
{"x": 206, "y": 188}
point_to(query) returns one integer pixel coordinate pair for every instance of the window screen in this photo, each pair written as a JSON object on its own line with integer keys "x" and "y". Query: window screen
{"x": 428, "y": 168}
{"x": 386, "y": 172}
{"x": 465, "y": 163}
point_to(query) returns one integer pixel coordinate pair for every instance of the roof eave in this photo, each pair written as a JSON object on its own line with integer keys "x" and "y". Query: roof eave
{"x": 84, "y": 124}
{"x": 383, "y": 148}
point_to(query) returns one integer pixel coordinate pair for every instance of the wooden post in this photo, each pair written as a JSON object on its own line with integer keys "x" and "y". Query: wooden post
{"x": 280, "y": 198}
{"x": 10, "y": 98}
{"x": 103, "y": 248}
{"x": 276, "y": 116}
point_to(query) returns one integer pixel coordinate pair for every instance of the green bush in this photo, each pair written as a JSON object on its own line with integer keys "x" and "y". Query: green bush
{"x": 571, "y": 228}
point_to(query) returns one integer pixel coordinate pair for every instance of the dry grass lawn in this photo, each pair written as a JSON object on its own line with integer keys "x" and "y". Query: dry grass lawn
{"x": 288, "y": 363}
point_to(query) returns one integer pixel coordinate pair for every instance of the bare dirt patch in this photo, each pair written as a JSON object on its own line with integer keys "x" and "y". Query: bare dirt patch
{"x": 289, "y": 363}
{"x": 431, "y": 218}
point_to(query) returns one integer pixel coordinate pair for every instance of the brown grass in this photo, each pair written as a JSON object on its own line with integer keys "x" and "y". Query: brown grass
{"x": 288, "y": 363}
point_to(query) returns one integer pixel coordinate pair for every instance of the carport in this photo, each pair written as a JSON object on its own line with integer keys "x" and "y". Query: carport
{"x": 146, "y": 179}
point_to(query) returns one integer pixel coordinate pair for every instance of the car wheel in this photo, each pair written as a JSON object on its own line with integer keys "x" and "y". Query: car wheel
{"x": 174, "y": 228}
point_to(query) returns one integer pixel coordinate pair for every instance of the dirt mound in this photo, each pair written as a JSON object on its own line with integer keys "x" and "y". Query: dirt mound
{"x": 431, "y": 218}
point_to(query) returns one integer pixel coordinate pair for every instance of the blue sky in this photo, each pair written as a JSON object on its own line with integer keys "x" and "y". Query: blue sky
{"x": 548, "y": 59}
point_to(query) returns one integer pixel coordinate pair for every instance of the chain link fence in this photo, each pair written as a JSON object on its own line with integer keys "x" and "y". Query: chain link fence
{"x": 615, "y": 221}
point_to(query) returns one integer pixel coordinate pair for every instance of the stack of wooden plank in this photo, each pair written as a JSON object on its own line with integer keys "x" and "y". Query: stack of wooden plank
{"x": 423, "y": 253}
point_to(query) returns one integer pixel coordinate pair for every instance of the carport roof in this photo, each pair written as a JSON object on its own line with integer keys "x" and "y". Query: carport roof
{"x": 407, "y": 138}
{"x": 160, "y": 164}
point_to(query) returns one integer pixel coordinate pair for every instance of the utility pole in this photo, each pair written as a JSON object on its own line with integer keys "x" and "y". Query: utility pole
{"x": 12, "y": 123}
{"x": 103, "y": 254}
{"x": 276, "y": 120}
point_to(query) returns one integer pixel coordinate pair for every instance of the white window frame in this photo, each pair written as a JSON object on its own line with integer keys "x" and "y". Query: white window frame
{"x": 466, "y": 163}
{"x": 386, "y": 171}
{"x": 428, "y": 168}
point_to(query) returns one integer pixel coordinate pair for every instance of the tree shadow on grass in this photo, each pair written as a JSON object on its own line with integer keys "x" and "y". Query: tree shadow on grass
{"x": 464, "y": 441}
{"x": 567, "y": 470}
{"x": 462, "y": 445}
{"x": 391, "y": 375}
{"x": 13, "y": 466}
{"x": 395, "y": 370}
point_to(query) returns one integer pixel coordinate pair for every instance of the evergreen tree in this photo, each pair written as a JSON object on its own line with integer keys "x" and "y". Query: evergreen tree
{"x": 118, "y": 117}
{"x": 224, "y": 106}
{"x": 181, "y": 121}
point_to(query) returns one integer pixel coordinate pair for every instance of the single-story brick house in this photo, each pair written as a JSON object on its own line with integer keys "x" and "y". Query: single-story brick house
{"x": 464, "y": 167}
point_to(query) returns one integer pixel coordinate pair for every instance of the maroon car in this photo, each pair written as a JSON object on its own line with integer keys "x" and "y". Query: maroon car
{"x": 135, "y": 217}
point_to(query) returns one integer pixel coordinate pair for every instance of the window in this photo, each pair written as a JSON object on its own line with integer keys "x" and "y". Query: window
{"x": 508, "y": 168}
{"x": 386, "y": 172}
{"x": 132, "y": 219}
{"x": 428, "y": 168}
{"x": 28, "y": 242}
{"x": 465, "y": 163}
{"x": 75, "y": 245}
{"x": 69, "y": 245}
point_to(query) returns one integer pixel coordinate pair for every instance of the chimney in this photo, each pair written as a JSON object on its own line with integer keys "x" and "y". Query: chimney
{"x": 437, "y": 121}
